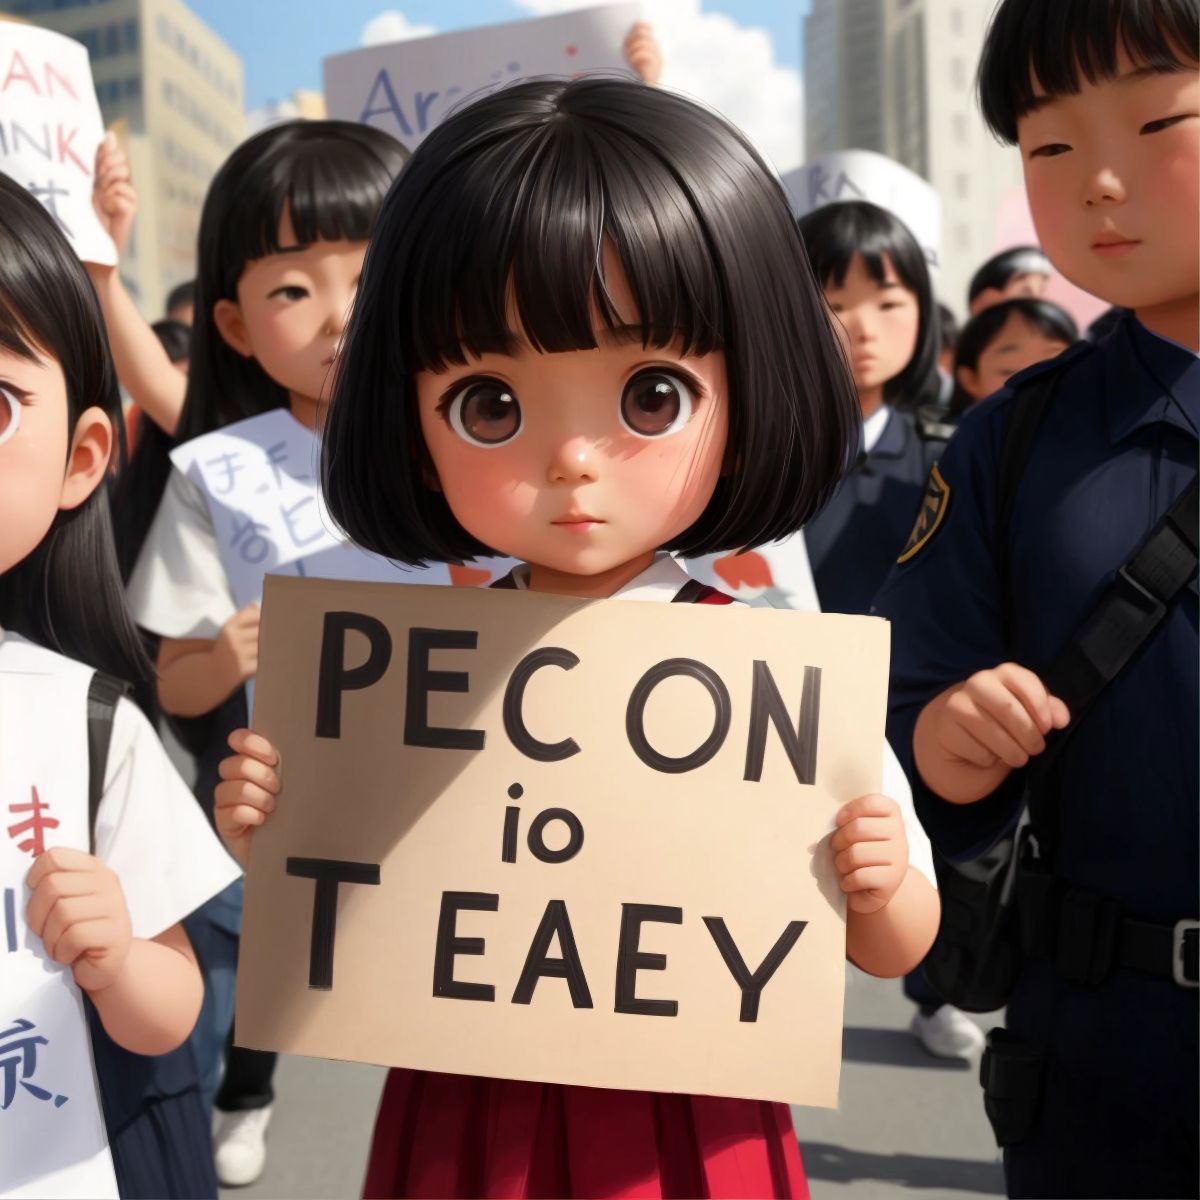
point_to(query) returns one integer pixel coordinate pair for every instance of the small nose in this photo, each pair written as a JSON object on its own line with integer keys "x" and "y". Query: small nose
{"x": 573, "y": 460}
{"x": 1103, "y": 186}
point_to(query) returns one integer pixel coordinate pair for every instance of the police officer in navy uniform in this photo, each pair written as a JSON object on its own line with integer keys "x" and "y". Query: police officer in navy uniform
{"x": 1053, "y": 564}
{"x": 1112, "y": 1106}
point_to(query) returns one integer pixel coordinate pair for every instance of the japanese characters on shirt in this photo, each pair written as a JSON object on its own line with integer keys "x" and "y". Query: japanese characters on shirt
{"x": 261, "y": 481}
{"x": 406, "y": 88}
{"x": 51, "y": 1126}
{"x": 50, "y": 127}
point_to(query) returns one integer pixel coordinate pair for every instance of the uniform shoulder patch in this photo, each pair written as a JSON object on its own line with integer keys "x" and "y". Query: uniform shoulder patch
{"x": 932, "y": 512}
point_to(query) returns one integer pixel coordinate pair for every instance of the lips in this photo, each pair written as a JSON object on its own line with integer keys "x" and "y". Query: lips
{"x": 577, "y": 519}
{"x": 1114, "y": 241}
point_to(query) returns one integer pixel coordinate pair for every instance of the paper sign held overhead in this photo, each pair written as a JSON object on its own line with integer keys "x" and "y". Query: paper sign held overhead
{"x": 527, "y": 836}
{"x": 50, "y": 129}
{"x": 406, "y": 88}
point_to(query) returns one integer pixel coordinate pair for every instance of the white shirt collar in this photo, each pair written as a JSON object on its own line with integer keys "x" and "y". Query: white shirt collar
{"x": 661, "y": 580}
{"x": 874, "y": 425}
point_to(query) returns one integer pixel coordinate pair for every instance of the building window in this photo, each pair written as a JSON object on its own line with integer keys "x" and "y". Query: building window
{"x": 962, "y": 236}
{"x": 112, "y": 39}
{"x": 133, "y": 37}
{"x": 956, "y": 21}
{"x": 959, "y": 125}
{"x": 962, "y": 185}
{"x": 958, "y": 72}
{"x": 133, "y": 88}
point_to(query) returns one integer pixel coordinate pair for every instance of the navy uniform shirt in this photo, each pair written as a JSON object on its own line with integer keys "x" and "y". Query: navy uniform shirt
{"x": 1117, "y": 446}
{"x": 853, "y": 541}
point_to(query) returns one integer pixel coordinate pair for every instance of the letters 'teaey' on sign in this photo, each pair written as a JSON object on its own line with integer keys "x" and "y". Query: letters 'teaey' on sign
{"x": 532, "y": 837}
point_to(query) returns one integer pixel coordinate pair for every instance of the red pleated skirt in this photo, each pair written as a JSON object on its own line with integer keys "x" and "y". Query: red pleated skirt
{"x": 460, "y": 1136}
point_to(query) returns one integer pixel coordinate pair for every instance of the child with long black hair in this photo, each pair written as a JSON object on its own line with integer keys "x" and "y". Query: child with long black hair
{"x": 282, "y": 238}
{"x": 878, "y": 289}
{"x": 92, "y": 901}
{"x": 587, "y": 336}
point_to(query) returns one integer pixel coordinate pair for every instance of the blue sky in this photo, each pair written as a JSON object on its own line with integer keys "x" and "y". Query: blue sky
{"x": 284, "y": 54}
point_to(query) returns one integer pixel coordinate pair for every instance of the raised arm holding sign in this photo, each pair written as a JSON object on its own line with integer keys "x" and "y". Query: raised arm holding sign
{"x": 555, "y": 856}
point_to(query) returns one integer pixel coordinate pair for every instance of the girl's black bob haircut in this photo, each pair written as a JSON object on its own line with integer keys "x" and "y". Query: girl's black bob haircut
{"x": 513, "y": 199}
{"x": 1050, "y": 44}
{"x": 331, "y": 178}
{"x": 834, "y": 234}
{"x": 66, "y": 595}
{"x": 981, "y": 330}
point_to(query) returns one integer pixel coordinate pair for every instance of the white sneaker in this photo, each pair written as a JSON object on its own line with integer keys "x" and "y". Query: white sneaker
{"x": 948, "y": 1033}
{"x": 239, "y": 1146}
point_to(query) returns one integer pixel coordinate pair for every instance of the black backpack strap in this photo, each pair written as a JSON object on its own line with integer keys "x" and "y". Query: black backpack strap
{"x": 1131, "y": 608}
{"x": 1026, "y": 414}
{"x": 103, "y": 693}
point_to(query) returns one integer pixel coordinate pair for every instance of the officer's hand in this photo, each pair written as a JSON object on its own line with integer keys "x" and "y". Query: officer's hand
{"x": 246, "y": 797}
{"x": 970, "y": 737}
{"x": 77, "y": 908}
{"x": 870, "y": 851}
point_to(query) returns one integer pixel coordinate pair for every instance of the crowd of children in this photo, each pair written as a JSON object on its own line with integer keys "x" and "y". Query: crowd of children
{"x": 596, "y": 290}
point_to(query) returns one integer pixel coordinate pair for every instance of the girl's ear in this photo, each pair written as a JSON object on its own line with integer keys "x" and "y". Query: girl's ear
{"x": 231, "y": 325}
{"x": 88, "y": 459}
{"x": 968, "y": 380}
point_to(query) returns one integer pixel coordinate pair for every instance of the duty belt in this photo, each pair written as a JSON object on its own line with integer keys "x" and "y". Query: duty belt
{"x": 1088, "y": 936}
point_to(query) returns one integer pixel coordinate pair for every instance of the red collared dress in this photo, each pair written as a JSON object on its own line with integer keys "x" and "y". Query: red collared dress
{"x": 458, "y": 1136}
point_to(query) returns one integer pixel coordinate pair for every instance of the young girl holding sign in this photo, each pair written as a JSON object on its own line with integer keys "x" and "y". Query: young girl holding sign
{"x": 282, "y": 238}
{"x": 107, "y": 923}
{"x": 587, "y": 336}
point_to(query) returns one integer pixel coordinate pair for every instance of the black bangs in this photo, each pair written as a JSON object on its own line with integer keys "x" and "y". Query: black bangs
{"x": 1054, "y": 42}
{"x": 331, "y": 176}
{"x": 562, "y": 196}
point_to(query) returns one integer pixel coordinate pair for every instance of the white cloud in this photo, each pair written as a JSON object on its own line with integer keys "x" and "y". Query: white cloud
{"x": 392, "y": 26}
{"x": 731, "y": 67}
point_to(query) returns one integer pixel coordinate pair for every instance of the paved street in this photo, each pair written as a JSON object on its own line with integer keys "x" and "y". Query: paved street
{"x": 909, "y": 1125}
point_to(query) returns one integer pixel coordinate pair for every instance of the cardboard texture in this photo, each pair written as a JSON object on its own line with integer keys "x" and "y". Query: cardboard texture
{"x": 750, "y": 856}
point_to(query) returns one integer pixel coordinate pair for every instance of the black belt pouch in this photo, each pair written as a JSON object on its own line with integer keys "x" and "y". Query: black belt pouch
{"x": 1011, "y": 1074}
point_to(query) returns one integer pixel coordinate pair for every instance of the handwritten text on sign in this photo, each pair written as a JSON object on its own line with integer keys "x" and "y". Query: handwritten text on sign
{"x": 50, "y": 127}
{"x": 406, "y": 88}
{"x": 540, "y": 838}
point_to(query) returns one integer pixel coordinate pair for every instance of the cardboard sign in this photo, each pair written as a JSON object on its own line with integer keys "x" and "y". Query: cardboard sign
{"x": 406, "y": 88}
{"x": 865, "y": 175}
{"x": 50, "y": 128}
{"x": 261, "y": 479}
{"x": 532, "y": 837}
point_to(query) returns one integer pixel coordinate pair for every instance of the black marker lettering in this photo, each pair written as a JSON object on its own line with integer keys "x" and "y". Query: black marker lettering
{"x": 329, "y": 873}
{"x": 514, "y": 694}
{"x": 631, "y": 960}
{"x": 800, "y": 743}
{"x": 335, "y": 677}
{"x": 752, "y": 985}
{"x": 635, "y": 715}
{"x": 539, "y": 964}
{"x": 450, "y": 945}
{"x": 422, "y": 680}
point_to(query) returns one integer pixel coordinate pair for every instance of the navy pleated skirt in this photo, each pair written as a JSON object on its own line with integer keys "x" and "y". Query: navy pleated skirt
{"x": 159, "y": 1129}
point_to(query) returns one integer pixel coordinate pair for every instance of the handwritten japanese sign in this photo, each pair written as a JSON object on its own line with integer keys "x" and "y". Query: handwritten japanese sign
{"x": 407, "y": 87}
{"x": 532, "y": 837}
{"x": 53, "y": 1140}
{"x": 261, "y": 480}
{"x": 50, "y": 127}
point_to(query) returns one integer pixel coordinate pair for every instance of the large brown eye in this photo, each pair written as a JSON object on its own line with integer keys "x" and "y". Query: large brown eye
{"x": 10, "y": 415}
{"x": 485, "y": 413}
{"x": 656, "y": 404}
